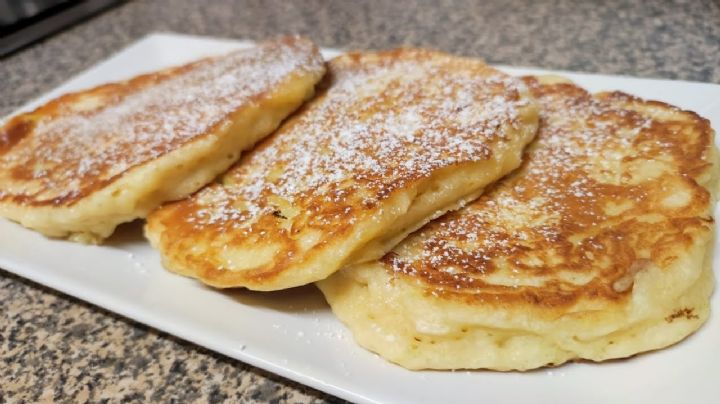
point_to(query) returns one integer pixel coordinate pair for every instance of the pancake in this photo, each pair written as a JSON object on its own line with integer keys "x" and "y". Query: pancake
{"x": 598, "y": 247}
{"x": 393, "y": 139}
{"x": 85, "y": 162}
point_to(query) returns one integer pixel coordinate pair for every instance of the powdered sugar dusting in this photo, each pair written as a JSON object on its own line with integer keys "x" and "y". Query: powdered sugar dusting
{"x": 384, "y": 122}
{"x": 135, "y": 123}
{"x": 568, "y": 217}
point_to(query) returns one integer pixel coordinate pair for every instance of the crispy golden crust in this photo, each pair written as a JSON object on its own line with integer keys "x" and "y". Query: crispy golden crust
{"x": 599, "y": 246}
{"x": 80, "y": 142}
{"x": 346, "y": 167}
{"x": 87, "y": 161}
{"x": 613, "y": 185}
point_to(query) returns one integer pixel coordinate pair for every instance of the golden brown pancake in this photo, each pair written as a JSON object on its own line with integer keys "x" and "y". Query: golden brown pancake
{"x": 85, "y": 162}
{"x": 598, "y": 247}
{"x": 394, "y": 139}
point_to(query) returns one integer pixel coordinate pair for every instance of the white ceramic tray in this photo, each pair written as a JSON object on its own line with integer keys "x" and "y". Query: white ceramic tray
{"x": 294, "y": 334}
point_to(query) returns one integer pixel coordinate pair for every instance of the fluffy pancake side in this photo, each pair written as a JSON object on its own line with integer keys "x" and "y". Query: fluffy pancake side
{"x": 598, "y": 247}
{"x": 392, "y": 140}
{"x": 85, "y": 162}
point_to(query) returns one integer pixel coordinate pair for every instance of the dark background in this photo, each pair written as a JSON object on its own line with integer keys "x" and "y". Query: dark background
{"x": 52, "y": 346}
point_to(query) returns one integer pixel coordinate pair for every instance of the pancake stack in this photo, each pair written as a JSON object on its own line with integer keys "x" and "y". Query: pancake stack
{"x": 453, "y": 216}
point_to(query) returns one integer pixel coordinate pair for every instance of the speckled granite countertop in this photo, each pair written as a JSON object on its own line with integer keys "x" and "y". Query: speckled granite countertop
{"x": 56, "y": 348}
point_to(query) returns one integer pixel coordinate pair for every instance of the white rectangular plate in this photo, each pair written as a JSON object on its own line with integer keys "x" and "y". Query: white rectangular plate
{"x": 294, "y": 334}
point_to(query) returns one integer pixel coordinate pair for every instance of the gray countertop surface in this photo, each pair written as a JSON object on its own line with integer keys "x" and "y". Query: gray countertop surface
{"x": 56, "y": 348}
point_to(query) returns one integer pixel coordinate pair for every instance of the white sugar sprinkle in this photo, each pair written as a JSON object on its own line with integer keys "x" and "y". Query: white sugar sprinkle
{"x": 80, "y": 149}
{"x": 380, "y": 126}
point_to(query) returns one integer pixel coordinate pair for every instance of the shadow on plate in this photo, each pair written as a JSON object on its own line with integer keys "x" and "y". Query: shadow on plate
{"x": 127, "y": 234}
{"x": 296, "y": 300}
